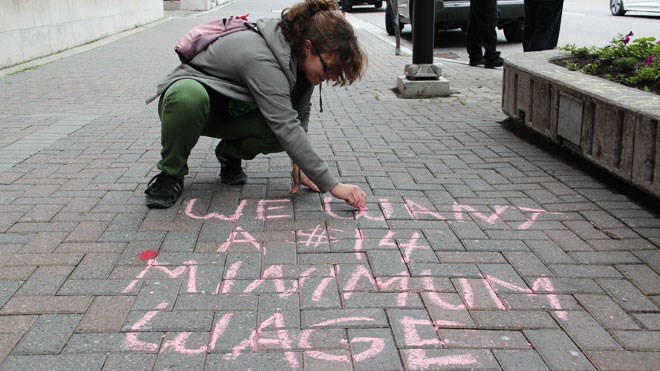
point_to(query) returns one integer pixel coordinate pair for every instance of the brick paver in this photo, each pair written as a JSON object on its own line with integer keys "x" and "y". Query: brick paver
{"x": 477, "y": 250}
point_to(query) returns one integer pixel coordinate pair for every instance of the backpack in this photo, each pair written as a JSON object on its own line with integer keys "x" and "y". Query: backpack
{"x": 200, "y": 37}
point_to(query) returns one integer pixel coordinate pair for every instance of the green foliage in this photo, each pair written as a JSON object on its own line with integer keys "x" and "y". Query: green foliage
{"x": 624, "y": 64}
{"x": 634, "y": 63}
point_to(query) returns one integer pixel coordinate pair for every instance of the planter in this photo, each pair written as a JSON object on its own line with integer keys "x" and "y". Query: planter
{"x": 608, "y": 124}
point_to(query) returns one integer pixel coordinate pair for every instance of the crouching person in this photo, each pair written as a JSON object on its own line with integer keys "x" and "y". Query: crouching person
{"x": 252, "y": 89}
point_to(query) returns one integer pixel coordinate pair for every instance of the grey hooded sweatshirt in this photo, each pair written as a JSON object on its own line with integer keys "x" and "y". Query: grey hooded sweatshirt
{"x": 260, "y": 67}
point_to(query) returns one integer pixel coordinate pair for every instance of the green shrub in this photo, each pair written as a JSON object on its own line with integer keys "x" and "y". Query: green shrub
{"x": 634, "y": 63}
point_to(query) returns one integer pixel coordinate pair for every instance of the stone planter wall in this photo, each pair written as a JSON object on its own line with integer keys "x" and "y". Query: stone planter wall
{"x": 612, "y": 126}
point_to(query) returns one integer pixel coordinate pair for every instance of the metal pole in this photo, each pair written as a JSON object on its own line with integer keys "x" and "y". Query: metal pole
{"x": 397, "y": 29}
{"x": 423, "y": 31}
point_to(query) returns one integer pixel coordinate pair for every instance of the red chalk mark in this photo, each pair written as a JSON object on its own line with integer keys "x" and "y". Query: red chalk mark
{"x": 147, "y": 255}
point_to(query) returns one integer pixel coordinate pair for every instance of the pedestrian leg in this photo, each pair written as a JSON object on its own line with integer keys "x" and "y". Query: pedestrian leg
{"x": 183, "y": 110}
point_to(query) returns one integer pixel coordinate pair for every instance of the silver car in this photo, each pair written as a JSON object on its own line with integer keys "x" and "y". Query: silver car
{"x": 620, "y": 7}
{"x": 454, "y": 14}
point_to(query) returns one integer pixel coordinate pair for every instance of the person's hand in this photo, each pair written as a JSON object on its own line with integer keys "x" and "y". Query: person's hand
{"x": 300, "y": 178}
{"x": 351, "y": 194}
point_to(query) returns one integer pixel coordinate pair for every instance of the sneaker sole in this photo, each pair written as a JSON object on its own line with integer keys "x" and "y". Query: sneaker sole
{"x": 159, "y": 203}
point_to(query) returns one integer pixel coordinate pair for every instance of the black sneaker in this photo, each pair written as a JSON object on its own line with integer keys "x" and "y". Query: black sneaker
{"x": 163, "y": 190}
{"x": 231, "y": 171}
{"x": 495, "y": 62}
{"x": 476, "y": 61}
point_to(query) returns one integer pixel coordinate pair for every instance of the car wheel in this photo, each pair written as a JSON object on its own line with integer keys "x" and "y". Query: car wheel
{"x": 389, "y": 20}
{"x": 513, "y": 31}
{"x": 616, "y": 7}
{"x": 378, "y": 4}
{"x": 346, "y": 5}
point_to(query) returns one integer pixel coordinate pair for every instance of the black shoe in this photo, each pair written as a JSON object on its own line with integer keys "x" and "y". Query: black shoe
{"x": 231, "y": 171}
{"x": 495, "y": 62}
{"x": 163, "y": 190}
{"x": 476, "y": 62}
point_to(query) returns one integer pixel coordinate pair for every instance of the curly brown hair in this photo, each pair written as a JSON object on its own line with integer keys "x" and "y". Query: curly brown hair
{"x": 321, "y": 22}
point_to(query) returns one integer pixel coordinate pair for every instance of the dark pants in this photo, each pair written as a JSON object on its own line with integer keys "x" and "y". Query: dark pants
{"x": 187, "y": 111}
{"x": 481, "y": 29}
{"x": 542, "y": 23}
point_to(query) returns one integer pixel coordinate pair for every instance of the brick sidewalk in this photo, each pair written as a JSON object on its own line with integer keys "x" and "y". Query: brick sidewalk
{"x": 477, "y": 251}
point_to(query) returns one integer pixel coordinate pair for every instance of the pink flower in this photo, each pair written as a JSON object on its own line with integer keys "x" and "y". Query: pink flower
{"x": 649, "y": 60}
{"x": 626, "y": 39}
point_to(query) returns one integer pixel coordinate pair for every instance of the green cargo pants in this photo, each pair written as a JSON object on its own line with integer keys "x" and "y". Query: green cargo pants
{"x": 186, "y": 113}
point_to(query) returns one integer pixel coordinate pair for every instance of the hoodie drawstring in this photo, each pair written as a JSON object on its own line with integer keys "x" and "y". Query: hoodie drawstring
{"x": 321, "y": 97}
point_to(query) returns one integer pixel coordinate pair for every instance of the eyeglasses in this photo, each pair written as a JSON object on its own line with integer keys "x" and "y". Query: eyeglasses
{"x": 326, "y": 69}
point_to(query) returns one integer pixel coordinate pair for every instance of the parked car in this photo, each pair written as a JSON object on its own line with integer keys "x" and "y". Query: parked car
{"x": 620, "y": 7}
{"x": 454, "y": 14}
{"x": 347, "y": 5}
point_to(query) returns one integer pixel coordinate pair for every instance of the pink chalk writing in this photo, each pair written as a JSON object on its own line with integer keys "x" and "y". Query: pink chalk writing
{"x": 270, "y": 210}
{"x": 411, "y": 335}
{"x": 237, "y": 213}
{"x": 254, "y": 340}
{"x": 418, "y": 360}
{"x": 233, "y": 240}
{"x": 263, "y": 209}
{"x": 411, "y": 246}
{"x": 315, "y": 238}
{"x": 377, "y": 346}
{"x": 272, "y": 333}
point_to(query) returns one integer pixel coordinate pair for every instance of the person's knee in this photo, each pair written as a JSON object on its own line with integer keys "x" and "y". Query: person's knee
{"x": 187, "y": 96}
